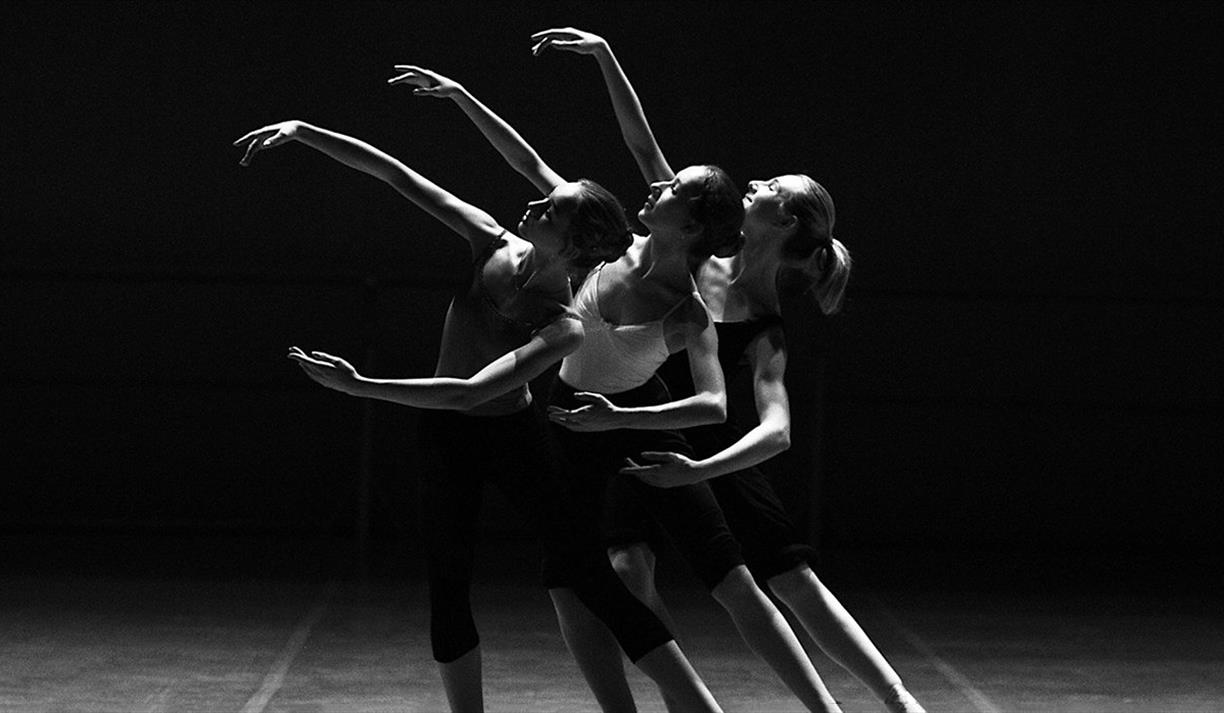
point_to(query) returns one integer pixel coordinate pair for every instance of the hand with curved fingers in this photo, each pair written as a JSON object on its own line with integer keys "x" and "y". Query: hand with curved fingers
{"x": 568, "y": 39}
{"x": 426, "y": 83}
{"x": 599, "y": 414}
{"x": 330, "y": 371}
{"x": 267, "y": 137}
{"x": 669, "y": 470}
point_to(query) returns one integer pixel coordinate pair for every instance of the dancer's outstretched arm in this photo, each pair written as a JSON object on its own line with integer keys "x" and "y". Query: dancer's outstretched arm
{"x": 474, "y": 224}
{"x": 546, "y": 347}
{"x": 771, "y": 435}
{"x": 508, "y": 142}
{"x": 708, "y": 405}
{"x": 634, "y": 127}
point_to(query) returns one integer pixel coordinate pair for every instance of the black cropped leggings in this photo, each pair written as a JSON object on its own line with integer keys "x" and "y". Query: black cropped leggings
{"x": 689, "y": 514}
{"x": 755, "y": 513}
{"x": 514, "y": 453}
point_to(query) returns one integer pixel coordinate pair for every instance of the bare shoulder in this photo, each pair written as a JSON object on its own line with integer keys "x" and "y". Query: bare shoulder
{"x": 505, "y": 257}
{"x": 692, "y": 314}
{"x": 486, "y": 237}
{"x": 515, "y": 247}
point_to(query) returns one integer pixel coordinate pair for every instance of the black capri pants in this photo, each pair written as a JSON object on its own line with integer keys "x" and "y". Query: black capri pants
{"x": 754, "y": 512}
{"x": 689, "y": 514}
{"x": 515, "y": 453}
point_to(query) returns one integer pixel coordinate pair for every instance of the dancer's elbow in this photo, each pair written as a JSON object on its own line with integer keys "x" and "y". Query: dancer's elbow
{"x": 779, "y": 440}
{"x": 714, "y": 409}
{"x": 468, "y": 397}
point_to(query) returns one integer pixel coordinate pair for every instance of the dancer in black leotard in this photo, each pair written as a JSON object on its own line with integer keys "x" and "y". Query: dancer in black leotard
{"x": 507, "y": 327}
{"x": 788, "y": 227}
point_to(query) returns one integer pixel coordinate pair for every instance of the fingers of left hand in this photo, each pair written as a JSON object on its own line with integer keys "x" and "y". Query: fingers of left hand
{"x": 249, "y": 135}
{"x": 553, "y": 33}
{"x": 252, "y": 149}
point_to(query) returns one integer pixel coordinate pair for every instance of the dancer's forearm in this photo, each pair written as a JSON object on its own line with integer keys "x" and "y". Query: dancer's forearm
{"x": 755, "y": 447}
{"x": 509, "y": 143}
{"x": 430, "y": 392}
{"x": 629, "y": 115}
{"x": 469, "y": 221}
{"x": 509, "y": 371}
{"x": 351, "y": 152}
{"x": 635, "y": 129}
{"x": 699, "y": 410}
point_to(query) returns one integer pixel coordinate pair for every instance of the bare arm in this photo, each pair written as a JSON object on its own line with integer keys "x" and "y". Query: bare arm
{"x": 511, "y": 370}
{"x": 768, "y": 438}
{"x": 634, "y": 127}
{"x": 517, "y": 152}
{"x": 474, "y": 224}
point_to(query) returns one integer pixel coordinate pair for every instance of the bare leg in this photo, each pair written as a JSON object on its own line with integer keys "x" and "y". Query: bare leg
{"x": 463, "y": 683}
{"x": 635, "y": 565}
{"x": 840, "y": 636}
{"x": 596, "y": 651}
{"x": 683, "y": 690}
{"x": 599, "y": 658}
{"x": 767, "y": 633}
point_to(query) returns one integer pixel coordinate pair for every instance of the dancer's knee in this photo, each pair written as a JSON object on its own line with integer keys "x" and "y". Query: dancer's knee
{"x": 735, "y": 588}
{"x": 634, "y": 564}
{"x": 792, "y": 584}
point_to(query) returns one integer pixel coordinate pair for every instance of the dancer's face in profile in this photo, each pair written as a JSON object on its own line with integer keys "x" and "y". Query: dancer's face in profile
{"x": 765, "y": 202}
{"x": 668, "y": 203}
{"x": 547, "y": 221}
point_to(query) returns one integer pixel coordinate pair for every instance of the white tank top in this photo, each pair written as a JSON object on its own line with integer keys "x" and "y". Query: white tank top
{"x": 613, "y": 357}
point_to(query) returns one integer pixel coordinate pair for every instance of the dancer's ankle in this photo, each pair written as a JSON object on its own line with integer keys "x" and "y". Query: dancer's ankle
{"x": 899, "y": 700}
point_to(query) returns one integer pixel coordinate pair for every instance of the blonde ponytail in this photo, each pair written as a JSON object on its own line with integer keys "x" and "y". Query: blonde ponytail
{"x": 823, "y": 260}
{"x": 833, "y": 264}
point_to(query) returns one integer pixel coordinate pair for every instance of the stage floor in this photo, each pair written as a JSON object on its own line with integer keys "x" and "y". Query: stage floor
{"x": 215, "y": 624}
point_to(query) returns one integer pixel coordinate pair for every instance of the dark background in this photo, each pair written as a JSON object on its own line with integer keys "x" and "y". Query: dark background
{"x": 1029, "y": 355}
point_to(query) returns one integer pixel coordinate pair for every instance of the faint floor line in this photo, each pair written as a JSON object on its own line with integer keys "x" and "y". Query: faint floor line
{"x": 962, "y": 682}
{"x": 276, "y": 676}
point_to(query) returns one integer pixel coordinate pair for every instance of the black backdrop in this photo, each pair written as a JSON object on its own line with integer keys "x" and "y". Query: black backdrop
{"x": 1029, "y": 354}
